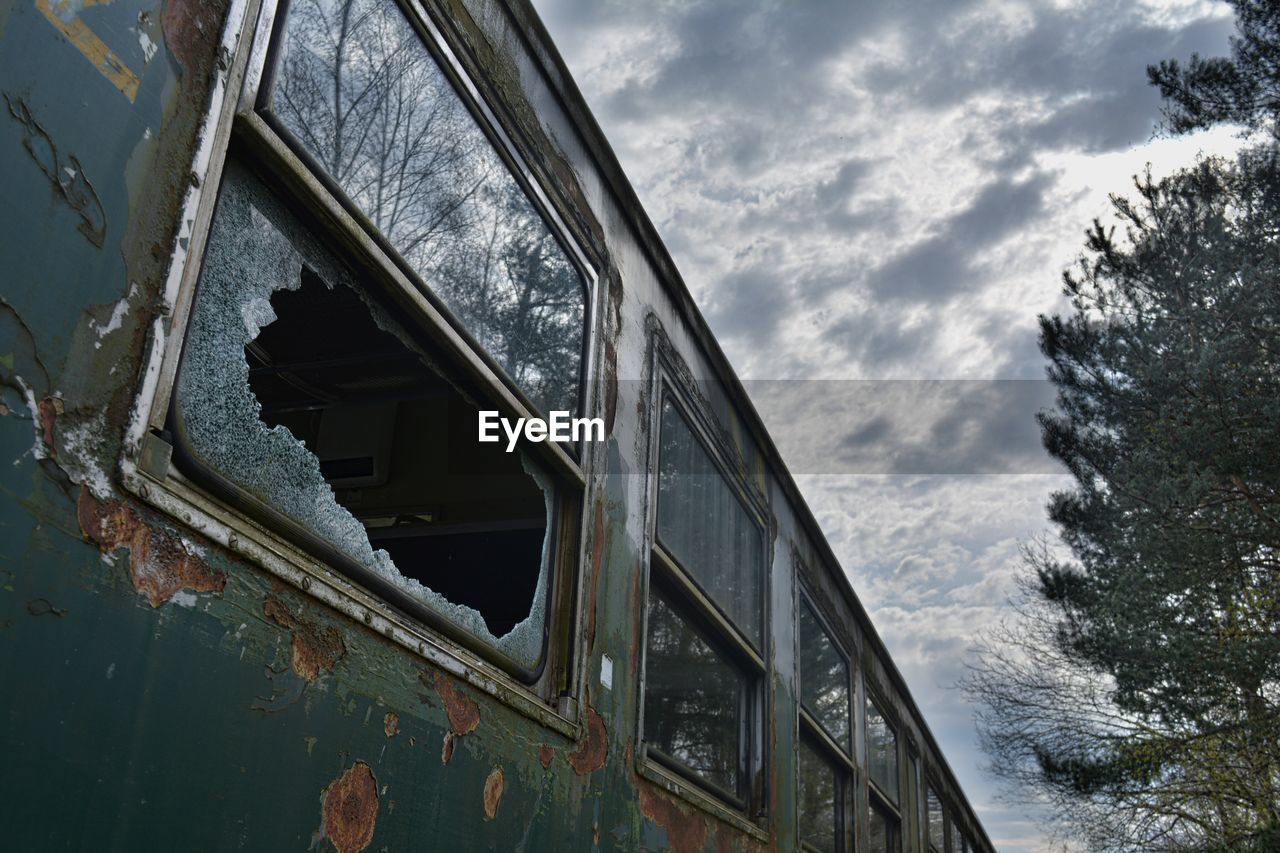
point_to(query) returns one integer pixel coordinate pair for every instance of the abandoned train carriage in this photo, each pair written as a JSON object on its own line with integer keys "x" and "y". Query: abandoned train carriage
{"x": 265, "y": 262}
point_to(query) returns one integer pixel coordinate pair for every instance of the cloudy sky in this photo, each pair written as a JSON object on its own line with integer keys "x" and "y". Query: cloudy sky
{"x": 868, "y": 190}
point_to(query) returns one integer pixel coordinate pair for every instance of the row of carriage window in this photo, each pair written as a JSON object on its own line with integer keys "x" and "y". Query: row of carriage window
{"x": 336, "y": 403}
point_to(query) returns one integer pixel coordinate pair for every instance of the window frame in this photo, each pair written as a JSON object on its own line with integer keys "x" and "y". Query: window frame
{"x": 232, "y": 129}
{"x": 269, "y": 130}
{"x": 931, "y": 788}
{"x": 877, "y": 797}
{"x": 749, "y": 811}
{"x": 810, "y": 729}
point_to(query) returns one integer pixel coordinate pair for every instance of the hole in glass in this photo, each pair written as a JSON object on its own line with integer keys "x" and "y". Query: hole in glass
{"x": 302, "y": 395}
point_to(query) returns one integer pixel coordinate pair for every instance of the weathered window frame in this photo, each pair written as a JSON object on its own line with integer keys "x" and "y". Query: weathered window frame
{"x": 888, "y": 803}
{"x": 932, "y": 795}
{"x": 811, "y": 730}
{"x": 233, "y": 128}
{"x": 747, "y": 813}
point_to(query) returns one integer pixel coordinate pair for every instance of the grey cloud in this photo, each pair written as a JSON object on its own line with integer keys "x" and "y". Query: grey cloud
{"x": 749, "y": 303}
{"x": 877, "y": 338}
{"x": 1086, "y": 63}
{"x": 921, "y": 427}
{"x": 943, "y": 266}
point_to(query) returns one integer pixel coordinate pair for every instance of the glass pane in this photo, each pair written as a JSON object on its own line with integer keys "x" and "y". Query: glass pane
{"x": 883, "y": 831}
{"x": 882, "y": 752}
{"x": 817, "y": 806}
{"x": 361, "y": 93}
{"x": 936, "y": 820}
{"x": 704, "y": 525}
{"x": 693, "y": 699}
{"x": 824, "y": 677}
{"x": 304, "y": 394}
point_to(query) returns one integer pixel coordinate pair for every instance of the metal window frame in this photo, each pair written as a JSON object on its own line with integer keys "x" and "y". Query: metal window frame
{"x": 892, "y": 799}
{"x": 145, "y": 463}
{"x": 931, "y": 788}
{"x": 806, "y": 598}
{"x": 255, "y": 107}
{"x": 892, "y": 817}
{"x": 809, "y": 727}
{"x": 747, "y": 812}
{"x": 843, "y": 771}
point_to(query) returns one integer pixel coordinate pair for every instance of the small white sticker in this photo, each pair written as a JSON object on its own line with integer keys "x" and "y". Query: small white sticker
{"x": 606, "y": 672}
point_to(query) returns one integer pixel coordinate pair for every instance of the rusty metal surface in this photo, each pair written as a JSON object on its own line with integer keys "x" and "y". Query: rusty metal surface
{"x": 164, "y": 692}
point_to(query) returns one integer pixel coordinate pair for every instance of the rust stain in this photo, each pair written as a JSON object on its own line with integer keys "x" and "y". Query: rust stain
{"x": 546, "y": 755}
{"x": 314, "y": 648}
{"x": 50, "y": 408}
{"x": 610, "y": 386}
{"x": 724, "y": 840}
{"x": 595, "y": 748}
{"x": 188, "y": 26}
{"x": 350, "y": 809}
{"x": 391, "y": 724}
{"x": 493, "y": 786}
{"x": 159, "y": 564}
{"x": 633, "y": 652}
{"x": 727, "y": 838}
{"x": 597, "y": 552}
{"x": 446, "y": 750}
{"x": 464, "y": 713}
{"x": 686, "y": 831}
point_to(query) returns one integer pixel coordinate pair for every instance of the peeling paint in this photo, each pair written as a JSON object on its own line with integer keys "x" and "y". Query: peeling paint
{"x": 686, "y": 828}
{"x": 591, "y": 755}
{"x": 160, "y": 563}
{"x": 390, "y": 724}
{"x": 546, "y": 755}
{"x": 350, "y": 809}
{"x": 446, "y": 749}
{"x": 493, "y": 786}
{"x": 314, "y": 648}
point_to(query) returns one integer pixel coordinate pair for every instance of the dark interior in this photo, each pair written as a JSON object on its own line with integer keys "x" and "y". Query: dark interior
{"x": 398, "y": 444}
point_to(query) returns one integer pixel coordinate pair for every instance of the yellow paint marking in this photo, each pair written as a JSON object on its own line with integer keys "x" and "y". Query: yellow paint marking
{"x": 88, "y": 43}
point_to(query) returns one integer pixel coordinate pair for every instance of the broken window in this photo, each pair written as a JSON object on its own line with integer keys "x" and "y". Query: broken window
{"x": 357, "y": 91}
{"x": 703, "y": 672}
{"x": 313, "y": 403}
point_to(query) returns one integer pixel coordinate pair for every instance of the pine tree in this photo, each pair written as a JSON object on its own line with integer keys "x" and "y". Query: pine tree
{"x": 1140, "y": 695}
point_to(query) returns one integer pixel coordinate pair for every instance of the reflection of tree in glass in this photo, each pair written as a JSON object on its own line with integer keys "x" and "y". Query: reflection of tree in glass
{"x": 702, "y": 522}
{"x": 824, "y": 677}
{"x": 692, "y": 699}
{"x": 882, "y": 751}
{"x": 361, "y": 92}
{"x": 817, "y": 803}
